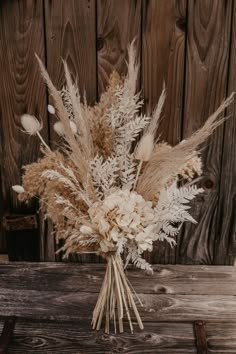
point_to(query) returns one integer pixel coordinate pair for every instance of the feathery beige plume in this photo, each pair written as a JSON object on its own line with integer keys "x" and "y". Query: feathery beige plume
{"x": 80, "y": 121}
{"x": 76, "y": 155}
{"x": 156, "y": 115}
{"x": 166, "y": 162}
{"x": 133, "y": 69}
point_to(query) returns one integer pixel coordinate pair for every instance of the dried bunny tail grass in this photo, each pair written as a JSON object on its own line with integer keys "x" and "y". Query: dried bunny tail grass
{"x": 166, "y": 162}
{"x": 78, "y": 157}
{"x": 145, "y": 147}
{"x": 85, "y": 139}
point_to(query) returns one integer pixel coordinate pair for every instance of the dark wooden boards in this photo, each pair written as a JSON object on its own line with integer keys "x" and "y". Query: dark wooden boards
{"x": 225, "y": 244}
{"x": 163, "y": 337}
{"x": 208, "y": 45}
{"x": 163, "y": 59}
{"x": 118, "y": 23}
{"x": 21, "y": 91}
{"x": 70, "y": 34}
{"x": 203, "y": 280}
{"x": 68, "y": 292}
{"x": 53, "y": 304}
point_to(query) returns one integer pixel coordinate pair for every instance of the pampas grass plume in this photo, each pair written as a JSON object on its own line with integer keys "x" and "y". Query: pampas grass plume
{"x": 30, "y": 124}
{"x": 18, "y": 189}
{"x": 145, "y": 148}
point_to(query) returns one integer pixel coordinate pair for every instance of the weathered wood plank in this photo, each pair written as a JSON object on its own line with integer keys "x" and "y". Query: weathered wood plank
{"x": 71, "y": 35}
{"x": 163, "y": 59}
{"x": 74, "y": 306}
{"x": 51, "y": 337}
{"x": 118, "y": 23}
{"x": 225, "y": 244}
{"x": 205, "y": 87}
{"x": 79, "y": 278}
{"x": 21, "y": 91}
{"x": 67, "y": 337}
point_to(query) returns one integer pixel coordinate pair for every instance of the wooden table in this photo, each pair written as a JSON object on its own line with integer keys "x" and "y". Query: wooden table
{"x": 53, "y": 303}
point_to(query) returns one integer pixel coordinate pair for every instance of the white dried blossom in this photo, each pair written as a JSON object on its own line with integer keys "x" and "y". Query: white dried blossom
{"x": 30, "y": 124}
{"x": 18, "y": 189}
{"x": 123, "y": 217}
{"x": 58, "y": 128}
{"x": 73, "y": 127}
{"x": 51, "y": 109}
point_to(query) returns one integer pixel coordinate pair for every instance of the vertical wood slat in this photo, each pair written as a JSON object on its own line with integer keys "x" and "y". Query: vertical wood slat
{"x": 70, "y": 28}
{"x": 206, "y": 77}
{"x": 118, "y": 23}
{"x": 163, "y": 59}
{"x": 225, "y": 244}
{"x": 21, "y": 91}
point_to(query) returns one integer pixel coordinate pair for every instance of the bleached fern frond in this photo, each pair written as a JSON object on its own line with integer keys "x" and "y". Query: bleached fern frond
{"x": 172, "y": 203}
{"x": 127, "y": 166}
{"x": 164, "y": 237}
{"x": 184, "y": 194}
{"x": 124, "y": 108}
{"x": 134, "y": 257}
{"x": 104, "y": 174}
{"x": 170, "y": 229}
{"x": 130, "y": 130}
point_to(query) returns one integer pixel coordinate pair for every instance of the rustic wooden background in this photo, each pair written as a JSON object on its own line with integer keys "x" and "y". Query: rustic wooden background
{"x": 189, "y": 44}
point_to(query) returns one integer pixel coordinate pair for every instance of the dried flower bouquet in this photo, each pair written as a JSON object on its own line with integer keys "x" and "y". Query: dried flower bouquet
{"x": 109, "y": 191}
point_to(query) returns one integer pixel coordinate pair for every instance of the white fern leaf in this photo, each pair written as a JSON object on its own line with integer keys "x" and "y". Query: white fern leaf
{"x": 104, "y": 174}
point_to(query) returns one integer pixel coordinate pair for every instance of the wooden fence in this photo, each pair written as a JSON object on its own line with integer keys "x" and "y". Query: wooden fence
{"x": 191, "y": 44}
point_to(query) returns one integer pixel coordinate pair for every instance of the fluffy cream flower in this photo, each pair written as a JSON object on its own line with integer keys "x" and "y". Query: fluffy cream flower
{"x": 123, "y": 217}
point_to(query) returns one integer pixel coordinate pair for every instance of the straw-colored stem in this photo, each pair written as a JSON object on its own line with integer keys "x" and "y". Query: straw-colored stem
{"x": 115, "y": 299}
{"x": 42, "y": 141}
{"x": 137, "y": 174}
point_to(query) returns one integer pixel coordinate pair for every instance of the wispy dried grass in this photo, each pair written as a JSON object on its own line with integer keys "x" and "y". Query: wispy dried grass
{"x": 77, "y": 155}
{"x": 167, "y": 162}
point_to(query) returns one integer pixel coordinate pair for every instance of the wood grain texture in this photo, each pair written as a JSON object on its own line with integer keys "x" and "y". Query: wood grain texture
{"x": 164, "y": 337}
{"x": 46, "y": 337}
{"x": 225, "y": 244}
{"x": 70, "y": 35}
{"x": 208, "y": 41}
{"x": 21, "y": 91}
{"x": 182, "y": 280}
{"x": 118, "y": 23}
{"x": 72, "y": 294}
{"x": 53, "y": 309}
{"x": 163, "y": 59}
